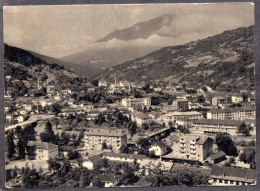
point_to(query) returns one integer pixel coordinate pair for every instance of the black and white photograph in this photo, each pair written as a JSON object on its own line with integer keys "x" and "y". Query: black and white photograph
{"x": 129, "y": 95}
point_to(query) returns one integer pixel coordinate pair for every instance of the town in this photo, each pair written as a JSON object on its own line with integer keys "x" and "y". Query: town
{"x": 122, "y": 133}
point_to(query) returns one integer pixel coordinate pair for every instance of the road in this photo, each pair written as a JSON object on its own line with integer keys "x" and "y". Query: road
{"x": 33, "y": 119}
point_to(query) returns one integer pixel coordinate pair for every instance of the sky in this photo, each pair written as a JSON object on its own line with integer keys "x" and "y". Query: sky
{"x": 59, "y": 31}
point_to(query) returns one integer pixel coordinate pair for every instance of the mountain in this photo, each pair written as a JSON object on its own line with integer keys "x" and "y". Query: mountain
{"x": 26, "y": 68}
{"x": 224, "y": 62}
{"x": 140, "y": 30}
{"x": 93, "y": 60}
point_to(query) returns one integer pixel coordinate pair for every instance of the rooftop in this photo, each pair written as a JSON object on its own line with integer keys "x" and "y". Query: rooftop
{"x": 42, "y": 145}
{"x": 106, "y": 132}
{"x": 123, "y": 155}
{"x": 217, "y": 121}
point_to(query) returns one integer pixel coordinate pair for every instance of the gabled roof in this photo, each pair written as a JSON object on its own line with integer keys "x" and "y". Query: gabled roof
{"x": 202, "y": 140}
{"x": 108, "y": 177}
{"x": 246, "y": 175}
{"x": 217, "y": 155}
{"x": 160, "y": 144}
{"x": 43, "y": 145}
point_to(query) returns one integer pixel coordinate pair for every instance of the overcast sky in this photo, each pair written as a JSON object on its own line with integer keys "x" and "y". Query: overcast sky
{"x": 63, "y": 30}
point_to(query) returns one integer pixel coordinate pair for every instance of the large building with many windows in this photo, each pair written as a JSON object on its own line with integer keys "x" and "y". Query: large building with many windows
{"x": 189, "y": 147}
{"x": 241, "y": 113}
{"x": 128, "y": 102}
{"x": 96, "y": 139}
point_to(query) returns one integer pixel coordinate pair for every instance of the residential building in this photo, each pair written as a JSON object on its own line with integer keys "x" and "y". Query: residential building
{"x": 180, "y": 104}
{"x": 213, "y": 126}
{"x": 230, "y": 176}
{"x": 102, "y": 83}
{"x": 96, "y": 137}
{"x": 159, "y": 148}
{"x": 189, "y": 147}
{"x": 141, "y": 118}
{"x": 109, "y": 179}
{"x": 240, "y": 113}
{"x": 236, "y": 98}
{"x": 130, "y": 102}
{"x": 172, "y": 116}
{"x": 218, "y": 100}
{"x": 44, "y": 151}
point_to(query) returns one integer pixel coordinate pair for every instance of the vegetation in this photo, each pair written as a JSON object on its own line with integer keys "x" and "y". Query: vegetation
{"x": 226, "y": 144}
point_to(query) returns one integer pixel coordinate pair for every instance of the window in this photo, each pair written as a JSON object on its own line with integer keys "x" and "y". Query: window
{"x": 243, "y": 183}
{"x": 220, "y": 181}
{"x": 226, "y": 181}
{"x": 231, "y": 182}
{"x": 237, "y": 183}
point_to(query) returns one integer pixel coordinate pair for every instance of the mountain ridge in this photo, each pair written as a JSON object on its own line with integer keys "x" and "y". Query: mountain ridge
{"x": 203, "y": 61}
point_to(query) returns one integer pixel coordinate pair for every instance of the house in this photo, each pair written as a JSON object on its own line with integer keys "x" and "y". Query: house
{"x": 95, "y": 138}
{"x": 20, "y": 118}
{"x": 91, "y": 89}
{"x": 66, "y": 149}
{"x": 109, "y": 179}
{"x": 180, "y": 104}
{"x": 189, "y": 148}
{"x": 159, "y": 148}
{"x": 217, "y": 157}
{"x": 43, "y": 150}
{"x": 230, "y": 176}
{"x": 236, "y": 98}
{"x": 102, "y": 83}
{"x": 218, "y": 100}
{"x": 88, "y": 164}
{"x": 184, "y": 121}
{"x": 141, "y": 118}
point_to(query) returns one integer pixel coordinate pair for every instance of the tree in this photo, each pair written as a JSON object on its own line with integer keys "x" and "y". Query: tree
{"x": 104, "y": 145}
{"x": 56, "y": 108}
{"x": 226, "y": 144}
{"x": 131, "y": 126}
{"x": 10, "y": 144}
{"x": 248, "y": 156}
{"x": 143, "y": 142}
{"x": 244, "y": 129}
{"x": 124, "y": 149}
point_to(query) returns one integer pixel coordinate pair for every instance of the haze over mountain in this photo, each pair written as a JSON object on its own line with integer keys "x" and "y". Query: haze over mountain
{"x": 142, "y": 29}
{"x": 93, "y": 60}
{"x": 224, "y": 62}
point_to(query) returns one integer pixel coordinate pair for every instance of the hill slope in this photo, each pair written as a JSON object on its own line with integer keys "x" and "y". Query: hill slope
{"x": 25, "y": 68}
{"x": 224, "y": 62}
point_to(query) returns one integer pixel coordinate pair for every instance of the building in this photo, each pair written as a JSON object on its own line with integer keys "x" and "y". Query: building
{"x": 95, "y": 138}
{"x": 102, "y": 83}
{"x": 159, "y": 148}
{"x": 44, "y": 151}
{"x": 129, "y": 102}
{"x": 240, "y": 113}
{"x": 180, "y": 104}
{"x": 230, "y": 176}
{"x": 237, "y": 98}
{"x": 189, "y": 148}
{"x": 109, "y": 179}
{"x": 218, "y": 100}
{"x": 122, "y": 157}
{"x": 217, "y": 157}
{"x": 213, "y": 126}
{"x": 141, "y": 118}
{"x": 173, "y": 116}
